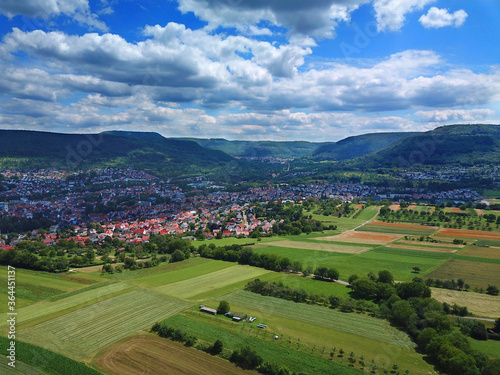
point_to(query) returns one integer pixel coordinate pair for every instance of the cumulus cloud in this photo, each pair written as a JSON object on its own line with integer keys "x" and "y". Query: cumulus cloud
{"x": 79, "y": 10}
{"x": 460, "y": 115}
{"x": 311, "y": 18}
{"x": 437, "y": 18}
{"x": 391, "y": 14}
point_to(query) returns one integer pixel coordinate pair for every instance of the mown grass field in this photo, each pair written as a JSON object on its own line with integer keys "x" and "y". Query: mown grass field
{"x": 82, "y": 332}
{"x": 47, "y": 309}
{"x": 38, "y": 286}
{"x": 367, "y": 213}
{"x": 212, "y": 281}
{"x": 479, "y": 304}
{"x": 127, "y": 358}
{"x": 169, "y": 276}
{"x": 476, "y": 274}
{"x": 356, "y": 324}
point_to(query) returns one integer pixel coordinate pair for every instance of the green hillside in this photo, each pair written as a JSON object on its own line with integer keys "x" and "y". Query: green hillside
{"x": 286, "y": 150}
{"x": 148, "y": 151}
{"x": 465, "y": 145}
{"x": 353, "y": 147}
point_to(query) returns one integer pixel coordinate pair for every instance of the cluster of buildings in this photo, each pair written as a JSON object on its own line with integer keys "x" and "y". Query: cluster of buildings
{"x": 131, "y": 205}
{"x": 456, "y": 174}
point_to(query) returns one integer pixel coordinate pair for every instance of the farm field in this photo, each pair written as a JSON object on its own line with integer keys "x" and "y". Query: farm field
{"x": 82, "y": 332}
{"x": 212, "y": 281}
{"x": 399, "y": 262}
{"x": 482, "y": 252}
{"x": 479, "y": 304}
{"x": 476, "y": 274}
{"x": 127, "y": 358}
{"x": 431, "y": 244}
{"x": 398, "y": 228}
{"x": 169, "y": 276}
{"x": 336, "y": 248}
{"x": 367, "y": 237}
{"x": 469, "y": 233}
{"x": 420, "y": 248}
{"x": 300, "y": 345}
{"x": 357, "y": 324}
{"x": 368, "y": 213}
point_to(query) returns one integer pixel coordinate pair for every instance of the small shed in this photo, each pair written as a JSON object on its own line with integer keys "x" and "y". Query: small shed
{"x": 203, "y": 308}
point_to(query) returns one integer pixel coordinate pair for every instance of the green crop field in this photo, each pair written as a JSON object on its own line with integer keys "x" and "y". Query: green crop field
{"x": 322, "y": 246}
{"x": 170, "y": 276}
{"x": 476, "y": 274}
{"x": 34, "y": 360}
{"x": 212, "y": 281}
{"x": 356, "y": 324}
{"x": 367, "y": 213}
{"x": 82, "y": 332}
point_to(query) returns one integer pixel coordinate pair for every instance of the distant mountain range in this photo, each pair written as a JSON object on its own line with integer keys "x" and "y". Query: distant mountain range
{"x": 447, "y": 145}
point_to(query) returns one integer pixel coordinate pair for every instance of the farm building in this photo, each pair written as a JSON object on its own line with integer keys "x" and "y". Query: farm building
{"x": 203, "y": 308}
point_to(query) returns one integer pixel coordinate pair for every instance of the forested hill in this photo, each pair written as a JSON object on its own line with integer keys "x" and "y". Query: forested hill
{"x": 465, "y": 145}
{"x": 147, "y": 151}
{"x": 352, "y": 147}
{"x": 260, "y": 149}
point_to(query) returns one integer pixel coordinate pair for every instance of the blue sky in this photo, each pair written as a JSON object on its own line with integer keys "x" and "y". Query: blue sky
{"x": 263, "y": 69}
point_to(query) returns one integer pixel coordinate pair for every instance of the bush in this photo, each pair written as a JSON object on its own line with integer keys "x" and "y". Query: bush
{"x": 216, "y": 347}
{"x": 246, "y": 358}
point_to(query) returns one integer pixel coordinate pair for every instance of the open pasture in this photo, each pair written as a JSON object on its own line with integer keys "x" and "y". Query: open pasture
{"x": 213, "y": 281}
{"x": 310, "y": 245}
{"x": 362, "y": 237}
{"x": 469, "y": 233}
{"x": 355, "y": 324}
{"x": 310, "y": 285}
{"x": 476, "y": 274}
{"x": 398, "y": 228}
{"x": 298, "y": 359}
{"x": 477, "y": 303}
{"x": 420, "y": 248}
{"x": 491, "y": 252}
{"x": 368, "y": 213}
{"x": 82, "y": 332}
{"x": 163, "y": 357}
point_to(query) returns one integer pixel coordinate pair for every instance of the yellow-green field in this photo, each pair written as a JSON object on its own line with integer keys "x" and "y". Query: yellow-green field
{"x": 477, "y": 303}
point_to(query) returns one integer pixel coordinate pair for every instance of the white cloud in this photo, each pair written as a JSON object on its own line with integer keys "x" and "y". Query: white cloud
{"x": 391, "y": 14}
{"x": 79, "y": 10}
{"x": 316, "y": 18}
{"x": 437, "y": 18}
{"x": 460, "y": 115}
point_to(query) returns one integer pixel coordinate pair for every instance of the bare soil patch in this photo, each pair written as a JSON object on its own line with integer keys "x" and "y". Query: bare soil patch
{"x": 149, "y": 354}
{"x": 402, "y": 225}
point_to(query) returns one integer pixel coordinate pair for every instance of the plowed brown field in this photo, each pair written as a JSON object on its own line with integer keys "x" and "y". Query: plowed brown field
{"x": 469, "y": 233}
{"x": 149, "y": 354}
